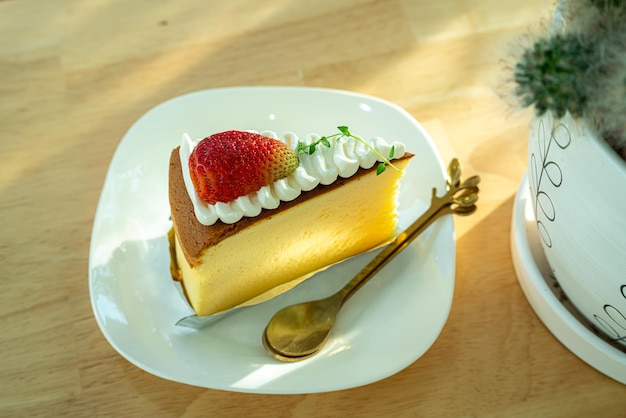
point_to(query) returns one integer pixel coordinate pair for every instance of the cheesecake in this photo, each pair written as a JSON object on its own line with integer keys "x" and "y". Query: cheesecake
{"x": 227, "y": 253}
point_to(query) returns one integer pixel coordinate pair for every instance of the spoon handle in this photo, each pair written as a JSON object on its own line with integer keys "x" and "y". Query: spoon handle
{"x": 460, "y": 198}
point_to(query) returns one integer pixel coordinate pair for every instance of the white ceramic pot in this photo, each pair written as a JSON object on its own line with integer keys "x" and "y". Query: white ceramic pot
{"x": 578, "y": 189}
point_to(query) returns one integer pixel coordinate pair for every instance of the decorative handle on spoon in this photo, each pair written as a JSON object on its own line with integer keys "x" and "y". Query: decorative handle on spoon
{"x": 460, "y": 198}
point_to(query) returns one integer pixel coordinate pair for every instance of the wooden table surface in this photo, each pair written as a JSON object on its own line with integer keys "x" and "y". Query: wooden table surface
{"x": 75, "y": 75}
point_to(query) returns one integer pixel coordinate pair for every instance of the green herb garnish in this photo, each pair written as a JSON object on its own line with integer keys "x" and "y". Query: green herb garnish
{"x": 309, "y": 149}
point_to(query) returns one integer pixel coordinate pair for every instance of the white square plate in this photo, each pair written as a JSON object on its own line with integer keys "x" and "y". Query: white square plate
{"x": 382, "y": 329}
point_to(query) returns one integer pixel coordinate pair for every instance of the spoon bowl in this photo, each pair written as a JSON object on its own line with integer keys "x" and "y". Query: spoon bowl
{"x": 287, "y": 328}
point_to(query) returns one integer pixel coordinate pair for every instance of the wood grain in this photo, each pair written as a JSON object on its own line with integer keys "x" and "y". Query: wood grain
{"x": 74, "y": 75}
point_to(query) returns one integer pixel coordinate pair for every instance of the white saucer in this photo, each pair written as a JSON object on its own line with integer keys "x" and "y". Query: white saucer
{"x": 546, "y": 298}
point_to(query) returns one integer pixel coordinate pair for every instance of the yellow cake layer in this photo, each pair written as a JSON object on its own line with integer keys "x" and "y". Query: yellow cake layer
{"x": 332, "y": 226}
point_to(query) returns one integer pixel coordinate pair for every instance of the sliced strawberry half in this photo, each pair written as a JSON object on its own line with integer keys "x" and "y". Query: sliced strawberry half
{"x": 230, "y": 164}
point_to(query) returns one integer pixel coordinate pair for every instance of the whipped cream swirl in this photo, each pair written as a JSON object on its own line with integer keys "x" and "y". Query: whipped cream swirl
{"x": 342, "y": 159}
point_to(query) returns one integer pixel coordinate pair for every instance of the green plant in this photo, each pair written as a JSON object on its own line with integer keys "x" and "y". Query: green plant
{"x": 550, "y": 75}
{"x": 580, "y": 68}
{"x": 344, "y": 132}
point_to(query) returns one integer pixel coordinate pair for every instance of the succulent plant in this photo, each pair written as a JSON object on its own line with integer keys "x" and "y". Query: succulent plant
{"x": 550, "y": 75}
{"x": 604, "y": 4}
{"x": 580, "y": 68}
{"x": 606, "y": 108}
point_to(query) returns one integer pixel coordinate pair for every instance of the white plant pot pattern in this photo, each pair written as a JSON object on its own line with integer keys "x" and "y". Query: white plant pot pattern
{"x": 578, "y": 188}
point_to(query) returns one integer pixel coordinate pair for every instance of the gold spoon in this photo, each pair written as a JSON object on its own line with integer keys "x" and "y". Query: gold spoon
{"x": 299, "y": 331}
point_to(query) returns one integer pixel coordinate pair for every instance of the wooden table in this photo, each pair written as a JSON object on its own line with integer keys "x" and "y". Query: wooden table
{"x": 75, "y": 75}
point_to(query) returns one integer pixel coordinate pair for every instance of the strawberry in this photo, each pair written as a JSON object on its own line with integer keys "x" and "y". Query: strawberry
{"x": 230, "y": 164}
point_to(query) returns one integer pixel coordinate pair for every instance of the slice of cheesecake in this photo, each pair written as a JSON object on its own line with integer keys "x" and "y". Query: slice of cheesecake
{"x": 224, "y": 265}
